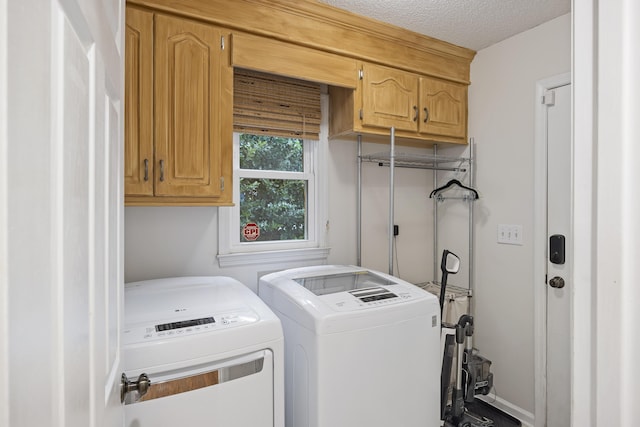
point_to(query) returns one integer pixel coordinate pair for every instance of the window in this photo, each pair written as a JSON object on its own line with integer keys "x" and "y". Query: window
{"x": 277, "y": 199}
{"x": 276, "y": 191}
{"x": 279, "y": 196}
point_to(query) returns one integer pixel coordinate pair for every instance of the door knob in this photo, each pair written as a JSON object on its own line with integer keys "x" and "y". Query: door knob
{"x": 141, "y": 386}
{"x": 557, "y": 282}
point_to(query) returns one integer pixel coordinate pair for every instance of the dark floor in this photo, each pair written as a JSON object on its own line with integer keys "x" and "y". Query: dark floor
{"x": 500, "y": 419}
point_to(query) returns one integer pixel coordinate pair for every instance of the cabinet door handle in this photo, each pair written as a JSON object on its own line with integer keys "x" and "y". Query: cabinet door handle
{"x": 426, "y": 114}
{"x": 415, "y": 113}
{"x": 146, "y": 169}
{"x": 161, "y": 170}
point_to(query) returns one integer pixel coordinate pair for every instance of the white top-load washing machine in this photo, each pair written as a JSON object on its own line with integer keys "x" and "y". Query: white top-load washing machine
{"x": 362, "y": 348}
{"x": 212, "y": 350}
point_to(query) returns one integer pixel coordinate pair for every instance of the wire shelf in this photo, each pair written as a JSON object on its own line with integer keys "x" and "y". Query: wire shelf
{"x": 451, "y": 293}
{"x": 419, "y": 161}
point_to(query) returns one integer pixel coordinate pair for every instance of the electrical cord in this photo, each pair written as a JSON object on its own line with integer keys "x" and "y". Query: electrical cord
{"x": 495, "y": 393}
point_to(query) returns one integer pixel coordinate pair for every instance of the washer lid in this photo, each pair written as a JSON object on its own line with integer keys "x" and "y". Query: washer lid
{"x": 330, "y": 283}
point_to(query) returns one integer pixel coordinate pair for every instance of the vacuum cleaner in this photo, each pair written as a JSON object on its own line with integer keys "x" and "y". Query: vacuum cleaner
{"x": 472, "y": 367}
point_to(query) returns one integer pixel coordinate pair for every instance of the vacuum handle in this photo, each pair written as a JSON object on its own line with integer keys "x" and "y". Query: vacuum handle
{"x": 464, "y": 328}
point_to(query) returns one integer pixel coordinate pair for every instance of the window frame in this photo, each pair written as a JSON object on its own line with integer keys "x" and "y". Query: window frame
{"x": 233, "y": 252}
{"x": 308, "y": 175}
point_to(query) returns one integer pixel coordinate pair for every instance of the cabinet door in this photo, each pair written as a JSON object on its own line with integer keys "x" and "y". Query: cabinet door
{"x": 138, "y": 122}
{"x": 189, "y": 66}
{"x": 389, "y": 98}
{"x": 444, "y": 108}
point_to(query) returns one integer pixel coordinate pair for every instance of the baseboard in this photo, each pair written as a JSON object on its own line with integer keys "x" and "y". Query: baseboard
{"x": 526, "y": 417}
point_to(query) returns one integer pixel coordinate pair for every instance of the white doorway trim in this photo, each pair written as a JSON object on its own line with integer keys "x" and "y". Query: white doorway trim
{"x": 4, "y": 280}
{"x": 539, "y": 245}
{"x": 584, "y": 66}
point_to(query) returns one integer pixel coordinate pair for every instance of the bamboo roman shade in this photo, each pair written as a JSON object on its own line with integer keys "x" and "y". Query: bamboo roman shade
{"x": 267, "y": 104}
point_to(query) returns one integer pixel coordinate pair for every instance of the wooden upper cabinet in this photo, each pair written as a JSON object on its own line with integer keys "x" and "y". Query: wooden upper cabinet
{"x": 138, "y": 123}
{"x": 403, "y": 73}
{"x": 189, "y": 69}
{"x": 444, "y": 108}
{"x": 389, "y": 98}
{"x": 420, "y": 108}
{"x": 179, "y": 112}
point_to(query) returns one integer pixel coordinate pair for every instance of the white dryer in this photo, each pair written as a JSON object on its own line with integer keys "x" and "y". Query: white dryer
{"x": 212, "y": 350}
{"x": 362, "y": 348}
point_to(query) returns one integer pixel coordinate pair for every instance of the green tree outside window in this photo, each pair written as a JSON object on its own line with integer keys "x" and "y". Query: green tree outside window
{"x": 278, "y": 206}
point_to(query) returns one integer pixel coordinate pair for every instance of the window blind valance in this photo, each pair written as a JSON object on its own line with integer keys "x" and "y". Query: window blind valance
{"x": 267, "y": 104}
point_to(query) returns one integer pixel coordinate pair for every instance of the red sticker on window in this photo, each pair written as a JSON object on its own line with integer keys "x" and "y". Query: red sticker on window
{"x": 251, "y": 231}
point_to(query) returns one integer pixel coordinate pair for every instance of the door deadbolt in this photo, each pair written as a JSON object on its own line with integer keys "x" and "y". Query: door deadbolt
{"x": 556, "y": 249}
{"x": 557, "y": 282}
{"x": 141, "y": 386}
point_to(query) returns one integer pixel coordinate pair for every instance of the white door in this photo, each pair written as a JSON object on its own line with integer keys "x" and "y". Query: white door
{"x": 62, "y": 219}
{"x": 559, "y": 283}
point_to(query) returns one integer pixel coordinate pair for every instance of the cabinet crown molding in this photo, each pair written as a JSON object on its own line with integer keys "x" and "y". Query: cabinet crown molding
{"x": 327, "y": 28}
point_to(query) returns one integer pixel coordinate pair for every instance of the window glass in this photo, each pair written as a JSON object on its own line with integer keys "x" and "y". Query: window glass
{"x": 274, "y": 189}
{"x": 276, "y": 206}
{"x": 263, "y": 152}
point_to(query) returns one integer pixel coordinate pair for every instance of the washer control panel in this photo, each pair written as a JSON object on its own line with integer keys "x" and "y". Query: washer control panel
{"x": 373, "y": 294}
{"x": 372, "y": 297}
{"x": 174, "y": 328}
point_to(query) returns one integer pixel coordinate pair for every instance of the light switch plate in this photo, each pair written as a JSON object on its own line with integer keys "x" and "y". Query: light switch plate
{"x": 510, "y": 234}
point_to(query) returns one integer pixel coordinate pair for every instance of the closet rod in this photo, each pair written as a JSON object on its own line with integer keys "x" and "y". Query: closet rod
{"x": 400, "y": 165}
{"x": 442, "y": 198}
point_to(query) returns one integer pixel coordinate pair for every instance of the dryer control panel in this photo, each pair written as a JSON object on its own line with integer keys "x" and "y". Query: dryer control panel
{"x": 175, "y": 328}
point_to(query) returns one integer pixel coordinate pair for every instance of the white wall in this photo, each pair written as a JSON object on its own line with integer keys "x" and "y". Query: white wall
{"x": 168, "y": 241}
{"x": 502, "y": 118}
{"x": 179, "y": 241}
{"x": 174, "y": 241}
{"x": 413, "y": 212}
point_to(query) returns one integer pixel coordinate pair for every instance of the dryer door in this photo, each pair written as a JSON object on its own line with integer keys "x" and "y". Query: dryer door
{"x": 236, "y": 392}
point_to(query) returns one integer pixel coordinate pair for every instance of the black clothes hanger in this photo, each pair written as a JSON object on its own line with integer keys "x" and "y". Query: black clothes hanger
{"x": 454, "y": 182}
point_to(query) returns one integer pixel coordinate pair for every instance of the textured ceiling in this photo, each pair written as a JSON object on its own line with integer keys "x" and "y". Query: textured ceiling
{"x": 474, "y": 24}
